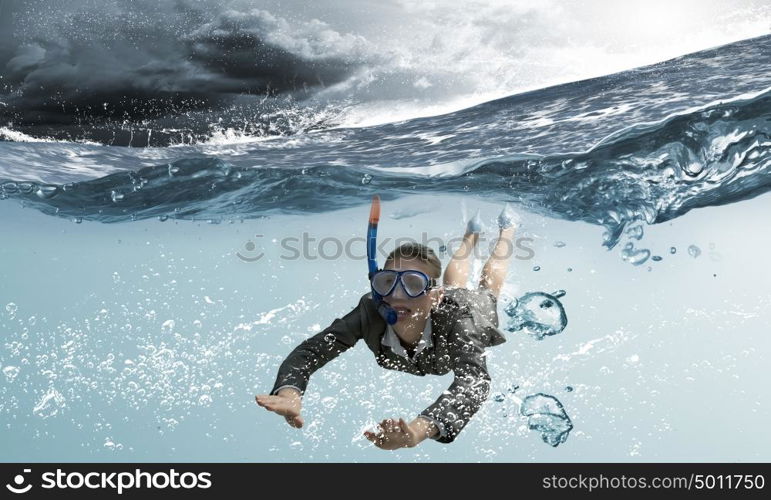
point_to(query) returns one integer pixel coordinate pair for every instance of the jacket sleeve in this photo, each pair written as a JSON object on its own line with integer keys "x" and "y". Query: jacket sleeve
{"x": 319, "y": 349}
{"x": 468, "y": 391}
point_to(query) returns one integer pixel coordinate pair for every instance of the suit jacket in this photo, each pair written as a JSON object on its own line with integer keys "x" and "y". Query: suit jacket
{"x": 460, "y": 333}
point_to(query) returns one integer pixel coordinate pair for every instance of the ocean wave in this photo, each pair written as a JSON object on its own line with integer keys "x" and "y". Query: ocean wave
{"x": 647, "y": 173}
{"x": 249, "y": 119}
{"x": 650, "y": 172}
{"x": 285, "y": 133}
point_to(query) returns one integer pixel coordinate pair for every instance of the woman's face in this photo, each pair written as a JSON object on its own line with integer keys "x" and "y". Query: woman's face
{"x": 408, "y": 308}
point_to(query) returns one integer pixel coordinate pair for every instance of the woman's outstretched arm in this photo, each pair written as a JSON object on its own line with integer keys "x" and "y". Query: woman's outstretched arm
{"x": 294, "y": 373}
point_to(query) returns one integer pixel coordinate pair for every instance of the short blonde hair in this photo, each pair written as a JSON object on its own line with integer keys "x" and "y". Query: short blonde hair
{"x": 413, "y": 250}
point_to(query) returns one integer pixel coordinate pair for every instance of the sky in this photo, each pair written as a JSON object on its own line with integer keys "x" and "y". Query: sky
{"x": 389, "y": 59}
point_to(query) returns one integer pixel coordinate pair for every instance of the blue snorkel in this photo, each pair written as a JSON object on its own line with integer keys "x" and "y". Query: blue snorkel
{"x": 386, "y": 311}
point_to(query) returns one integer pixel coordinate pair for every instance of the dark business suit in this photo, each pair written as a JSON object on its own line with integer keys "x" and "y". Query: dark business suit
{"x": 463, "y": 324}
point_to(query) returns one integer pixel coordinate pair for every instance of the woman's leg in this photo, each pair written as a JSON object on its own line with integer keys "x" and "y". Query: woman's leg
{"x": 457, "y": 270}
{"x": 497, "y": 266}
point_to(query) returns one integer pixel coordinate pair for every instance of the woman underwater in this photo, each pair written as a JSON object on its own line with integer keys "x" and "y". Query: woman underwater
{"x": 414, "y": 325}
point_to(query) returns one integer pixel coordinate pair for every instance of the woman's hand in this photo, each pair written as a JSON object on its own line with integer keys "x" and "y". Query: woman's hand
{"x": 394, "y": 434}
{"x": 287, "y": 403}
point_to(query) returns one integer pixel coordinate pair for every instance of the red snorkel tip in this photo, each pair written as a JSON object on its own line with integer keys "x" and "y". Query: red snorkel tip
{"x": 374, "y": 212}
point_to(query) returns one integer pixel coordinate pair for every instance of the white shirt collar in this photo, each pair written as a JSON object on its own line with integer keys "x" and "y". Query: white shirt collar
{"x": 391, "y": 339}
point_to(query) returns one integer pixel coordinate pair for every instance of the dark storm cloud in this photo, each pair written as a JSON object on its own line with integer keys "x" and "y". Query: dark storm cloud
{"x": 259, "y": 51}
{"x": 89, "y": 61}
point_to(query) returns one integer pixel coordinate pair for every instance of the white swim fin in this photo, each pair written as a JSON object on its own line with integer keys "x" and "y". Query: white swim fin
{"x": 508, "y": 217}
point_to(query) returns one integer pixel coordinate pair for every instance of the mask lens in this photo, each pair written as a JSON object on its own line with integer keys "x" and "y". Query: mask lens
{"x": 383, "y": 282}
{"x": 414, "y": 283}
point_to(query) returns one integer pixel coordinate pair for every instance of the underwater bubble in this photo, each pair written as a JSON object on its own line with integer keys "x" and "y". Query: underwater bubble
{"x": 633, "y": 256}
{"x": 70, "y": 373}
{"x": 173, "y": 170}
{"x": 656, "y": 258}
{"x": 163, "y": 218}
{"x": 635, "y": 232}
{"x": 672, "y": 250}
{"x": 168, "y": 325}
{"x": 205, "y": 400}
{"x": 443, "y": 248}
{"x": 330, "y": 337}
{"x": 570, "y": 269}
{"x": 11, "y": 308}
{"x": 511, "y": 307}
{"x": 499, "y": 397}
{"x": 46, "y": 191}
{"x": 694, "y": 251}
{"x": 513, "y": 389}
{"x": 569, "y": 388}
{"x": 547, "y": 415}
{"x": 538, "y": 314}
{"x": 536, "y": 268}
{"x": 559, "y": 244}
{"x": 50, "y": 404}
{"x": 116, "y": 196}
{"x": 366, "y": 179}
{"x": 11, "y": 372}
{"x": 77, "y": 220}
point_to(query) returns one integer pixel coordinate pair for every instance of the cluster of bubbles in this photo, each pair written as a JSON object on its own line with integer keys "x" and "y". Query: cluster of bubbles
{"x": 129, "y": 362}
{"x": 632, "y": 252}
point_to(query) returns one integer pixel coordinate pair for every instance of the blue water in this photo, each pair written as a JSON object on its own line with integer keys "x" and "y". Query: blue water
{"x": 136, "y": 324}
